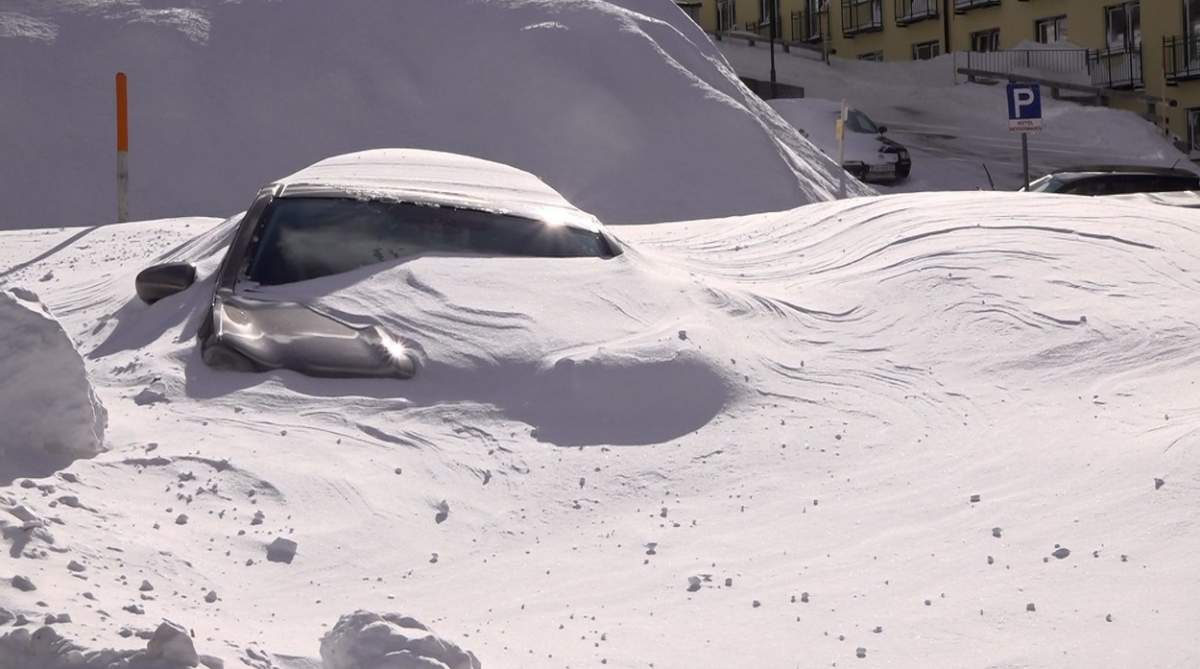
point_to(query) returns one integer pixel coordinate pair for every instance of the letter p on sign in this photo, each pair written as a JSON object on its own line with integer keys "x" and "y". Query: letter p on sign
{"x": 1024, "y": 107}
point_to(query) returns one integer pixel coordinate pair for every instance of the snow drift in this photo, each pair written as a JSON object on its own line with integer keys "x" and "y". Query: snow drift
{"x": 49, "y": 415}
{"x": 624, "y": 106}
{"x": 929, "y": 398}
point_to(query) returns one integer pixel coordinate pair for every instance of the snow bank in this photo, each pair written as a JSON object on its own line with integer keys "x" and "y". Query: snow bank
{"x": 364, "y": 640}
{"x": 49, "y": 416}
{"x": 624, "y": 106}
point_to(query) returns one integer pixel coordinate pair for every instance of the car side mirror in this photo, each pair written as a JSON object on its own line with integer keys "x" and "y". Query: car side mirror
{"x": 159, "y": 281}
{"x": 883, "y": 129}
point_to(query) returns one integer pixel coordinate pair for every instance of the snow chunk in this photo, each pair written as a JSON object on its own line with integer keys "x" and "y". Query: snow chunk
{"x": 365, "y": 640}
{"x": 169, "y": 648}
{"x": 49, "y": 415}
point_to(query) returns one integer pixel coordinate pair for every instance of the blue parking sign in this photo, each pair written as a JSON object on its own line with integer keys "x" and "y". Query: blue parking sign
{"x": 1024, "y": 107}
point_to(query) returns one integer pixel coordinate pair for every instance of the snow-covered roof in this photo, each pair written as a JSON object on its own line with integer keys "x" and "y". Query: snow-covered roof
{"x": 435, "y": 177}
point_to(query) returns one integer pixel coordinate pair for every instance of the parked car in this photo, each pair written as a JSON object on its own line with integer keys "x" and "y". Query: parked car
{"x": 869, "y": 155}
{"x": 1116, "y": 180}
{"x": 356, "y": 210}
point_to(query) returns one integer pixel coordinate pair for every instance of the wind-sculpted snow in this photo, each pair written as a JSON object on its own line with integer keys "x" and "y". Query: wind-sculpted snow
{"x": 49, "y": 415}
{"x": 943, "y": 430}
{"x": 624, "y": 106}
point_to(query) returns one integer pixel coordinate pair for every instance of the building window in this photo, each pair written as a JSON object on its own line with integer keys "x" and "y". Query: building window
{"x": 1193, "y": 118}
{"x": 986, "y": 40}
{"x": 1123, "y": 26}
{"x": 927, "y": 50}
{"x": 764, "y": 11}
{"x": 873, "y": 56}
{"x": 726, "y": 15}
{"x": 1051, "y": 30}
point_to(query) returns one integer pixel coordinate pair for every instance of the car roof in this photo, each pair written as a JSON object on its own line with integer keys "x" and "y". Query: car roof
{"x": 1141, "y": 170}
{"x": 435, "y": 178}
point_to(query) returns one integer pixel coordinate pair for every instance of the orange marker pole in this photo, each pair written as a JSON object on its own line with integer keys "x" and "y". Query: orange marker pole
{"x": 122, "y": 148}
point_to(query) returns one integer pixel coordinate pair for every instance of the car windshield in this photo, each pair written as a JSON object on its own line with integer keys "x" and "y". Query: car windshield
{"x": 1047, "y": 184}
{"x": 857, "y": 121}
{"x": 307, "y": 238}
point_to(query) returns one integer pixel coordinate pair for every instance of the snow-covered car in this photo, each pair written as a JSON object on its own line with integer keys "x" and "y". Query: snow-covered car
{"x": 869, "y": 155}
{"x": 353, "y": 211}
{"x": 1116, "y": 180}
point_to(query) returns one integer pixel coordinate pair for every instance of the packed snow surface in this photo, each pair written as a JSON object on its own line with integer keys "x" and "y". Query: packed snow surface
{"x": 624, "y": 106}
{"x": 908, "y": 431}
{"x": 48, "y": 413}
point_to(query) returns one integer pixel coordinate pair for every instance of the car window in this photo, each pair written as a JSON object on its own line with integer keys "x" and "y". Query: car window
{"x": 1091, "y": 186}
{"x": 857, "y": 121}
{"x": 1048, "y": 184}
{"x": 1169, "y": 184}
{"x": 307, "y": 238}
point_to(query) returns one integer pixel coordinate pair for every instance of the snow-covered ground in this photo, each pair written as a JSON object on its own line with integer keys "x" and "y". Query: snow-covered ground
{"x": 939, "y": 428}
{"x": 953, "y": 128}
{"x": 225, "y": 96}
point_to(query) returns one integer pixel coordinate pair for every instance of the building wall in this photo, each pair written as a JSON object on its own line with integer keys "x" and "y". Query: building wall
{"x": 1015, "y": 20}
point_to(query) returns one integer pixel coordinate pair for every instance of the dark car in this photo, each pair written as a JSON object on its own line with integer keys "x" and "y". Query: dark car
{"x": 1116, "y": 180}
{"x": 353, "y": 211}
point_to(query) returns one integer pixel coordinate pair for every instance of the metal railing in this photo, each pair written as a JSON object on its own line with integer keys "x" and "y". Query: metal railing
{"x": 1181, "y": 58}
{"x": 911, "y": 11}
{"x": 1107, "y": 68}
{"x": 807, "y": 26}
{"x": 961, "y": 6}
{"x": 861, "y": 16}
{"x": 1117, "y": 68}
{"x": 1045, "y": 60}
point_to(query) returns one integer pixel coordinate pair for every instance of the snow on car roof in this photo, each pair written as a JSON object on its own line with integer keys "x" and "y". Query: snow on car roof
{"x": 437, "y": 178}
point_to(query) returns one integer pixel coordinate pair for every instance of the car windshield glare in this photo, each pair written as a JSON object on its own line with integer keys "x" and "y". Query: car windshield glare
{"x": 1046, "y": 184}
{"x": 305, "y": 238}
{"x": 857, "y": 121}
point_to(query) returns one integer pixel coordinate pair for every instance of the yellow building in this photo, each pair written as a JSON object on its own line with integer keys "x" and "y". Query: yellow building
{"x": 1146, "y": 46}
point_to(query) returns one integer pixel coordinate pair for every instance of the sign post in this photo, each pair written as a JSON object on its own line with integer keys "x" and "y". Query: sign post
{"x": 1024, "y": 116}
{"x": 840, "y": 130}
{"x": 122, "y": 148}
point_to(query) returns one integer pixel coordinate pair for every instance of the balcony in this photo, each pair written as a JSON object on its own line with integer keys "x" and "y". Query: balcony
{"x": 807, "y": 26}
{"x": 861, "y": 16}
{"x": 964, "y": 6}
{"x": 913, "y": 11}
{"x": 1181, "y": 59}
{"x": 1119, "y": 69}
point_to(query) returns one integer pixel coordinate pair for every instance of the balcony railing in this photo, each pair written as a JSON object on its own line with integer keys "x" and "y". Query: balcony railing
{"x": 1181, "y": 58}
{"x": 1107, "y": 68}
{"x": 961, "y": 6}
{"x": 861, "y": 16}
{"x": 808, "y": 26}
{"x": 1057, "y": 61}
{"x": 1117, "y": 68}
{"x": 912, "y": 11}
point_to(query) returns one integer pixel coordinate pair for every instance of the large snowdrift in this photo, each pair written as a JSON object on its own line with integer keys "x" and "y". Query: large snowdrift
{"x": 954, "y": 432}
{"x": 624, "y": 106}
{"x": 49, "y": 415}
